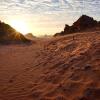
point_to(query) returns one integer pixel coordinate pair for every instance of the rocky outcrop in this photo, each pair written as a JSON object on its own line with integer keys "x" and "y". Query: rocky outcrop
{"x": 10, "y": 35}
{"x": 83, "y": 23}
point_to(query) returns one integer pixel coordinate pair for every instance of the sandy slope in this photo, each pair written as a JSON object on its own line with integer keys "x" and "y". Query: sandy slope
{"x": 61, "y": 68}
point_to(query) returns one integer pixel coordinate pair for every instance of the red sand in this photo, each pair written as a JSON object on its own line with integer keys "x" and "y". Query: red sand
{"x": 61, "y": 68}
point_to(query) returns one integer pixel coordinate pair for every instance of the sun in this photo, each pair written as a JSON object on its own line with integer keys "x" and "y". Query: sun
{"x": 20, "y": 26}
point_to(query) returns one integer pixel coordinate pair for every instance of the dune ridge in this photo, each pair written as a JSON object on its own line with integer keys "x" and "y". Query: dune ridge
{"x": 57, "y": 68}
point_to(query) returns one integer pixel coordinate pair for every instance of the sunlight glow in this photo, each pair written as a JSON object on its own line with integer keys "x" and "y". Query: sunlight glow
{"x": 20, "y": 26}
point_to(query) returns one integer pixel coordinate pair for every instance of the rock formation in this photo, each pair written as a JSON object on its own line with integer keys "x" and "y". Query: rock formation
{"x": 10, "y": 35}
{"x": 83, "y": 23}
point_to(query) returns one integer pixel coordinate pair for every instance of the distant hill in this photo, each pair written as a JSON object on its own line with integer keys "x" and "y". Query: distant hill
{"x": 10, "y": 35}
{"x": 83, "y": 23}
{"x": 30, "y": 36}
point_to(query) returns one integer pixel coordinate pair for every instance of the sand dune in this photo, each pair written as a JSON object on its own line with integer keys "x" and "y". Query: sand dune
{"x": 60, "y": 68}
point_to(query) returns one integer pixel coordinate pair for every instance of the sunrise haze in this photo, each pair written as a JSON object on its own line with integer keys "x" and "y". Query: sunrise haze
{"x": 48, "y": 17}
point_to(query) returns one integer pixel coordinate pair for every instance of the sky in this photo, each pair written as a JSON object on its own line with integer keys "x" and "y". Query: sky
{"x": 46, "y": 17}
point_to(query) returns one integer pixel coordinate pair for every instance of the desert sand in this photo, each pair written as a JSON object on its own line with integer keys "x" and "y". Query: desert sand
{"x": 55, "y": 68}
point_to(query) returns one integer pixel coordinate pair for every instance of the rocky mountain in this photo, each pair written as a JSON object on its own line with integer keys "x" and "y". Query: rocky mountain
{"x": 10, "y": 35}
{"x": 82, "y": 24}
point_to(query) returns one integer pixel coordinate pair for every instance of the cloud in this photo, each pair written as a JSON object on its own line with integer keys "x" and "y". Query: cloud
{"x": 56, "y": 12}
{"x": 53, "y": 6}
